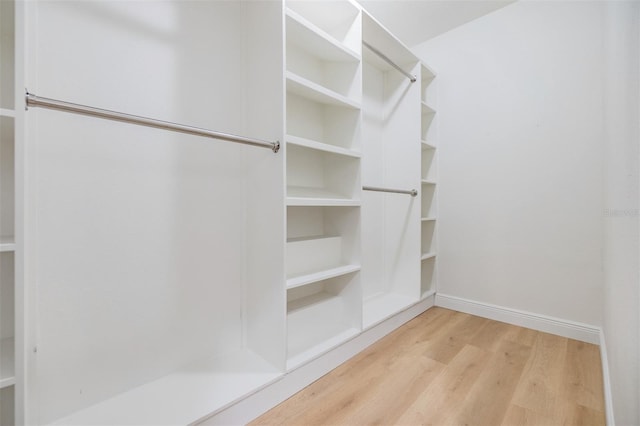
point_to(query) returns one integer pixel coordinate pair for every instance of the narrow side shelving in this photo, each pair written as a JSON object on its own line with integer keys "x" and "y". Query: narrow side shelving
{"x": 429, "y": 180}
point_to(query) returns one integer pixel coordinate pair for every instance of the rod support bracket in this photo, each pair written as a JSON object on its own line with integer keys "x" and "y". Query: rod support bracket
{"x": 276, "y": 147}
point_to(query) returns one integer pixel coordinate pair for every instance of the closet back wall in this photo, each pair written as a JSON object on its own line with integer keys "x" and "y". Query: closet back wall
{"x": 520, "y": 162}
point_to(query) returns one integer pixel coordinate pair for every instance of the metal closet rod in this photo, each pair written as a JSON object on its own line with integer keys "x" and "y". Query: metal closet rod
{"x": 411, "y": 192}
{"x": 37, "y": 101}
{"x": 389, "y": 61}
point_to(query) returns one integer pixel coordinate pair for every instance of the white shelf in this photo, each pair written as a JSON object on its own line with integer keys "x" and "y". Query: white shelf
{"x": 7, "y": 244}
{"x": 4, "y": 112}
{"x": 183, "y": 397}
{"x": 321, "y": 275}
{"x": 426, "y": 256}
{"x": 428, "y": 219}
{"x": 310, "y": 37}
{"x": 427, "y": 182}
{"x": 427, "y": 145}
{"x": 426, "y": 109}
{"x": 313, "y": 328}
{"x": 308, "y": 143}
{"x": 384, "y": 305}
{"x": 7, "y": 364}
{"x": 315, "y": 92}
{"x": 322, "y": 202}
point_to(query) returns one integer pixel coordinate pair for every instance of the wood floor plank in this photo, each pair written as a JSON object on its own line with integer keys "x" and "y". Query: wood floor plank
{"x": 488, "y": 400}
{"x": 584, "y": 381}
{"x": 448, "y": 390}
{"x": 447, "y": 346}
{"x": 542, "y": 380}
{"x": 450, "y": 368}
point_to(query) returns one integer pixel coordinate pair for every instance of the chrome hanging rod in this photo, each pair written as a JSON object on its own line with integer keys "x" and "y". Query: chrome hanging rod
{"x": 389, "y": 61}
{"x": 411, "y": 192}
{"x": 37, "y": 101}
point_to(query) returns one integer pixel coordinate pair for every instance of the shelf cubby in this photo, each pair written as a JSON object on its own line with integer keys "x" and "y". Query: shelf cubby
{"x": 339, "y": 19}
{"x": 324, "y": 123}
{"x": 427, "y": 90}
{"x": 429, "y": 170}
{"x": 428, "y": 130}
{"x": 7, "y": 179}
{"x": 428, "y": 145}
{"x": 428, "y": 276}
{"x": 322, "y": 242}
{"x": 315, "y": 92}
{"x": 316, "y": 58}
{"x": 428, "y": 237}
{"x": 428, "y": 200}
{"x": 315, "y": 176}
{"x": 320, "y": 316}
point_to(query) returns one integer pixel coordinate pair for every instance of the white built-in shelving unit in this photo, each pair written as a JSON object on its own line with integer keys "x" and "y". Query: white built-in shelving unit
{"x": 7, "y": 213}
{"x": 324, "y": 97}
{"x": 429, "y": 182}
{"x": 169, "y": 278}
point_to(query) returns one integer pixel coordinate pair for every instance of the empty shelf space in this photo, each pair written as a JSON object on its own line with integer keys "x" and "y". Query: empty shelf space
{"x": 315, "y": 326}
{"x": 7, "y": 244}
{"x": 334, "y": 20}
{"x": 313, "y": 91}
{"x": 426, "y": 109}
{"x": 428, "y": 145}
{"x": 314, "y": 174}
{"x": 428, "y": 276}
{"x": 185, "y": 396}
{"x": 7, "y": 364}
{"x": 320, "y": 146}
{"x": 383, "y": 306}
{"x": 307, "y": 35}
{"x": 321, "y": 275}
{"x": 320, "y": 316}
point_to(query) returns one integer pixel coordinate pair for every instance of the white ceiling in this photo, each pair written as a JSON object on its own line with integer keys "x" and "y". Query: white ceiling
{"x": 415, "y": 21}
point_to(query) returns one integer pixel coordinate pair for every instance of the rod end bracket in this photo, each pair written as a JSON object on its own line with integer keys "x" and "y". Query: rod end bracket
{"x": 276, "y": 147}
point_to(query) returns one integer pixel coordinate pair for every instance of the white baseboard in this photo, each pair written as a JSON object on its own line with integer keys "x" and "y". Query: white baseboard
{"x": 574, "y": 330}
{"x": 295, "y": 380}
{"x": 606, "y": 381}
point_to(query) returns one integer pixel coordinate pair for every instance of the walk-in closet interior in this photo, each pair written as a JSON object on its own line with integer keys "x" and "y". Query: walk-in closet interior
{"x": 208, "y": 205}
{"x": 163, "y": 277}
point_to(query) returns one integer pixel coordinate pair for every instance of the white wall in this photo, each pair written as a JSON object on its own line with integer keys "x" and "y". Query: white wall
{"x": 520, "y": 157}
{"x": 621, "y": 262}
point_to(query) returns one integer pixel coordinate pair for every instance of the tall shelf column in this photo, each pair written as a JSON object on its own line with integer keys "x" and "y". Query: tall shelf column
{"x": 429, "y": 182}
{"x": 323, "y": 150}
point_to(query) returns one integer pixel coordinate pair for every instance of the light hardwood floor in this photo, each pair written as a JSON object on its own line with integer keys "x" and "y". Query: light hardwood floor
{"x": 449, "y": 368}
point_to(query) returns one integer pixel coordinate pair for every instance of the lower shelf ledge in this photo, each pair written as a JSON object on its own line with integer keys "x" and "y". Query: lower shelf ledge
{"x": 183, "y": 397}
{"x": 329, "y": 342}
{"x": 321, "y": 275}
{"x": 382, "y": 306}
{"x": 7, "y": 362}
